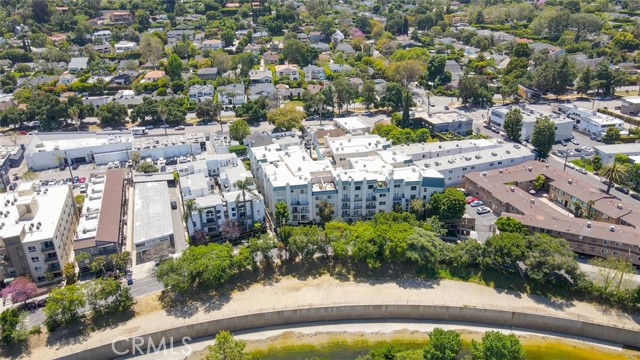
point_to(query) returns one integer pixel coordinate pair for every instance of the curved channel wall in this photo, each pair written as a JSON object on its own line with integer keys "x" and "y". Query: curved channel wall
{"x": 536, "y": 322}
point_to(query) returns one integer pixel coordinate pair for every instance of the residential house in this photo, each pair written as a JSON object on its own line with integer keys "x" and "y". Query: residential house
{"x": 121, "y": 17}
{"x": 199, "y": 93}
{"x": 103, "y": 48}
{"x": 454, "y": 68}
{"x": 78, "y": 64}
{"x": 288, "y": 70}
{"x": 321, "y": 46}
{"x": 67, "y": 79}
{"x": 260, "y": 76}
{"x": 231, "y": 96}
{"x": 340, "y": 68}
{"x": 153, "y": 76}
{"x": 257, "y": 90}
{"x": 357, "y": 82}
{"x": 312, "y": 72}
{"x": 313, "y": 89}
{"x": 253, "y": 48}
{"x": 103, "y": 36}
{"x": 337, "y": 37}
{"x": 210, "y": 73}
{"x": 179, "y": 34}
{"x": 124, "y": 46}
{"x": 125, "y": 77}
{"x": 553, "y": 50}
{"x": 284, "y": 92}
{"x": 316, "y": 37}
{"x": 259, "y": 35}
{"x": 212, "y": 44}
{"x": 303, "y": 37}
{"x": 271, "y": 57}
{"x": 345, "y": 48}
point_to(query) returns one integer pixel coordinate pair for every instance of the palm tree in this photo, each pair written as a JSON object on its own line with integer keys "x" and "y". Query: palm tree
{"x": 615, "y": 173}
{"x": 190, "y": 206}
{"x": 73, "y": 114}
{"x": 590, "y": 204}
{"x": 245, "y": 186}
{"x": 577, "y": 209}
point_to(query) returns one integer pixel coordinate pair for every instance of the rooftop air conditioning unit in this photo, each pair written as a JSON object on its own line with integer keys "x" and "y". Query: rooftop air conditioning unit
{"x": 533, "y": 201}
{"x": 501, "y": 171}
{"x": 570, "y": 181}
{"x": 529, "y": 169}
{"x": 484, "y": 173}
{"x": 619, "y": 206}
{"x": 513, "y": 189}
{"x": 494, "y": 153}
{"x": 612, "y": 228}
{"x": 589, "y": 224}
{"x": 478, "y": 156}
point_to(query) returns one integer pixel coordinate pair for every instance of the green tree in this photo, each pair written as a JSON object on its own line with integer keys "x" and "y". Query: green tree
{"x": 547, "y": 257}
{"x": 208, "y": 109}
{"x": 285, "y": 118}
{"x": 112, "y": 114}
{"x": 297, "y": 52}
{"x": 503, "y": 251}
{"x": 282, "y": 213}
{"x": 63, "y": 306}
{"x": 227, "y": 348}
{"x": 405, "y": 72}
{"x": 511, "y": 225}
{"x": 239, "y": 130}
{"x": 69, "y": 272}
{"x": 436, "y": 73}
{"x": 11, "y": 327}
{"x": 345, "y": 92}
{"x": 474, "y": 90}
{"x": 392, "y": 98}
{"x": 426, "y": 248}
{"x": 443, "y": 345}
{"x": 447, "y": 205}
{"x": 612, "y": 272}
{"x": 190, "y": 206}
{"x": 325, "y": 211}
{"x": 538, "y": 182}
{"x": 369, "y": 96}
{"x": 497, "y": 346}
{"x": 174, "y": 67}
{"x": 596, "y": 162}
{"x": 522, "y": 50}
{"x": 612, "y": 135}
{"x": 585, "y": 81}
{"x": 615, "y": 173}
{"x": 513, "y": 124}
{"x": 147, "y": 167}
{"x": 543, "y": 136}
{"x": 418, "y": 208}
{"x": 406, "y": 115}
{"x": 40, "y": 11}
{"x": 108, "y": 295}
{"x": 151, "y": 48}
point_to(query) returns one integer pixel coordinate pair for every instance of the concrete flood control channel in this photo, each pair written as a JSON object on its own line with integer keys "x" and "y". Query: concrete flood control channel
{"x": 440, "y": 313}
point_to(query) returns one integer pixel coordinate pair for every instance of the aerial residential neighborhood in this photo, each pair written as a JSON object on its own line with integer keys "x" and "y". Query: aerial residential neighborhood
{"x": 205, "y": 170}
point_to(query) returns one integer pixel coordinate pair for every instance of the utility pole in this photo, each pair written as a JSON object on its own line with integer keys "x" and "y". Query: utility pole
{"x": 68, "y": 164}
{"x": 566, "y": 156}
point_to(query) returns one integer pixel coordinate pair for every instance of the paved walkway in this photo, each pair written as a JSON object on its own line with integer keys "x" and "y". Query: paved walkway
{"x": 325, "y": 290}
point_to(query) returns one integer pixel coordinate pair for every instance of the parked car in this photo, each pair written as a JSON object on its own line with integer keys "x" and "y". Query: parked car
{"x": 174, "y": 205}
{"x": 179, "y": 127}
{"x": 13, "y": 186}
{"x": 471, "y": 199}
{"x": 27, "y": 306}
{"x": 75, "y": 167}
{"x": 635, "y": 196}
{"x": 149, "y": 127}
{"x": 575, "y": 142}
{"x": 483, "y": 210}
{"x": 62, "y": 167}
{"x": 622, "y": 189}
{"x": 581, "y": 170}
{"x": 16, "y": 177}
{"x": 41, "y": 303}
{"x": 476, "y": 203}
{"x": 83, "y": 188}
{"x": 164, "y": 126}
{"x": 578, "y": 149}
{"x": 570, "y": 165}
{"x": 76, "y": 179}
{"x": 82, "y": 180}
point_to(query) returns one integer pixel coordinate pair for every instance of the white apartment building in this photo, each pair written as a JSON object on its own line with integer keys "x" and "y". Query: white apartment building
{"x": 352, "y": 125}
{"x": 367, "y": 185}
{"x": 201, "y": 92}
{"x": 37, "y": 230}
{"x": 563, "y": 127}
{"x": 211, "y": 183}
{"x": 589, "y": 121}
{"x": 347, "y": 147}
{"x": 608, "y": 152}
{"x": 124, "y": 46}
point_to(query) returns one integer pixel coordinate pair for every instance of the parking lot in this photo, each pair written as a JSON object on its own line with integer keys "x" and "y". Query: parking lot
{"x": 484, "y": 222}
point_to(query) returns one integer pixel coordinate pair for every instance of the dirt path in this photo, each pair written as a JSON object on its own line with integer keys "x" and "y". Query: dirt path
{"x": 324, "y": 290}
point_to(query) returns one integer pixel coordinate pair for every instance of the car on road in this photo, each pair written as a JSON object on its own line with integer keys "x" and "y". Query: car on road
{"x": 575, "y": 142}
{"x": 563, "y": 143}
{"x": 149, "y": 127}
{"x": 164, "y": 126}
{"x": 471, "y": 199}
{"x": 593, "y": 137}
{"x": 75, "y": 179}
{"x": 578, "y": 149}
{"x": 179, "y": 127}
{"x": 635, "y": 196}
{"x": 212, "y": 123}
{"x": 174, "y": 205}
{"x": 570, "y": 165}
{"x": 483, "y": 210}
{"x": 476, "y": 203}
{"x": 622, "y": 189}
{"x": 13, "y": 186}
{"x": 367, "y": 113}
{"x": 581, "y": 170}
{"x": 82, "y": 180}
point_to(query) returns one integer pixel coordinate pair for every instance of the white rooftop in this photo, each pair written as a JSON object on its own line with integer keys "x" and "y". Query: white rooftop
{"x": 352, "y": 124}
{"x": 503, "y": 153}
{"x": 67, "y": 141}
{"x": 357, "y": 144}
{"x": 632, "y": 148}
{"x": 152, "y": 213}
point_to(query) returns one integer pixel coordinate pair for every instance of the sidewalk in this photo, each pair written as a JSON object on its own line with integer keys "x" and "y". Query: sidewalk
{"x": 291, "y": 293}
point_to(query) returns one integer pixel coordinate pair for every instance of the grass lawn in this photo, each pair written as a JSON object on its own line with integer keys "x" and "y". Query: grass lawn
{"x": 293, "y": 104}
{"x": 582, "y": 164}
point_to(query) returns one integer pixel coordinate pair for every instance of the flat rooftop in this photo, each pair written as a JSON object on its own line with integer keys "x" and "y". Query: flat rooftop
{"x": 149, "y": 142}
{"x": 357, "y": 144}
{"x": 152, "y": 212}
{"x": 502, "y": 154}
{"x": 110, "y": 213}
{"x": 632, "y": 148}
{"x": 441, "y": 118}
{"x": 430, "y": 149}
{"x": 75, "y": 140}
{"x": 48, "y": 204}
{"x": 351, "y": 124}
{"x": 530, "y": 114}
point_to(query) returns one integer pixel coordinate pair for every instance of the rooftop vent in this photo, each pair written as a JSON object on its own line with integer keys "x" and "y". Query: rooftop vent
{"x": 494, "y": 153}
{"x": 501, "y": 171}
{"x": 484, "y": 173}
{"x": 533, "y": 201}
{"x": 619, "y": 206}
{"x": 612, "y": 228}
{"x": 589, "y": 224}
{"x": 478, "y": 156}
{"x": 570, "y": 181}
{"x": 513, "y": 189}
{"x": 529, "y": 169}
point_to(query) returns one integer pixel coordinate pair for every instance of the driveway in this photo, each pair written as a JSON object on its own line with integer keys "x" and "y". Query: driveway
{"x": 176, "y": 217}
{"x": 484, "y": 223}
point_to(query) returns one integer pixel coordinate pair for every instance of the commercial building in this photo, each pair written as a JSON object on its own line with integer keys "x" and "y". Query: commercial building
{"x": 450, "y": 122}
{"x": 165, "y": 147}
{"x": 454, "y": 159}
{"x": 376, "y": 181}
{"x": 352, "y": 125}
{"x": 563, "y": 127}
{"x": 608, "y": 152}
{"x": 10, "y": 157}
{"x": 100, "y": 230}
{"x": 152, "y": 217}
{"x": 50, "y": 150}
{"x": 37, "y": 227}
{"x": 612, "y": 230}
{"x": 630, "y": 105}
{"x": 589, "y": 121}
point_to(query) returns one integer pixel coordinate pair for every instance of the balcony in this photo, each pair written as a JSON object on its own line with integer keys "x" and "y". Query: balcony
{"x": 357, "y": 206}
{"x": 53, "y": 267}
{"x": 346, "y": 198}
{"x": 45, "y": 249}
{"x": 371, "y": 205}
{"x": 371, "y": 198}
{"x": 49, "y": 259}
{"x": 345, "y": 206}
{"x": 299, "y": 203}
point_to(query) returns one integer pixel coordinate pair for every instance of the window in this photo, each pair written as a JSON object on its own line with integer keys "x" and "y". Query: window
{"x": 40, "y": 278}
{"x": 35, "y": 259}
{"x": 383, "y": 195}
{"x": 38, "y": 268}
{"x": 31, "y": 249}
{"x": 370, "y": 187}
{"x": 499, "y": 162}
{"x": 606, "y": 242}
{"x": 616, "y": 252}
{"x": 618, "y": 244}
{"x": 396, "y": 186}
{"x": 464, "y": 169}
{"x": 413, "y": 188}
{"x": 604, "y": 251}
{"x": 358, "y": 187}
{"x": 490, "y": 164}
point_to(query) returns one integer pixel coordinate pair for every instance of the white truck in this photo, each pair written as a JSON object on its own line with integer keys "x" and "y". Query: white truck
{"x": 138, "y": 131}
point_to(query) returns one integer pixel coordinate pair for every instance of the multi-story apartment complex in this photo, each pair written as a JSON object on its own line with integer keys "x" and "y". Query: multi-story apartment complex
{"x": 212, "y": 183}
{"x": 589, "y": 121}
{"x": 37, "y": 228}
{"x": 359, "y": 187}
{"x": 612, "y": 226}
{"x": 529, "y": 117}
